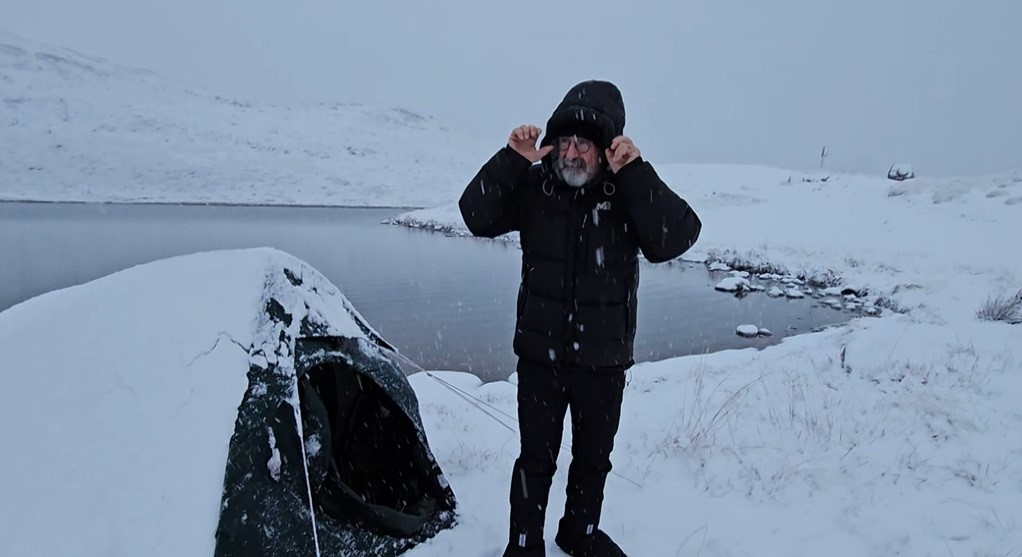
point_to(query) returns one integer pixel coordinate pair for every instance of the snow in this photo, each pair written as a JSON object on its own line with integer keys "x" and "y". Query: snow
{"x": 890, "y": 435}
{"x": 273, "y": 465}
{"x": 313, "y": 445}
{"x": 695, "y": 255}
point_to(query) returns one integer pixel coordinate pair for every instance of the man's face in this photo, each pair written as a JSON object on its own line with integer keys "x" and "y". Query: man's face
{"x": 578, "y": 160}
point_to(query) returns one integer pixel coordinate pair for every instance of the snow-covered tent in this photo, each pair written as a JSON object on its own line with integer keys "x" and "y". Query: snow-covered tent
{"x": 222, "y": 403}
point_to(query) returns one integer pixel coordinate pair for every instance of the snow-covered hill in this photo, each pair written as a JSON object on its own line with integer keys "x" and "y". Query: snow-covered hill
{"x": 78, "y": 128}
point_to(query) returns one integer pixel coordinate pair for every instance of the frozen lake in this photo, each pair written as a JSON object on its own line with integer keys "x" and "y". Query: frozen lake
{"x": 447, "y": 303}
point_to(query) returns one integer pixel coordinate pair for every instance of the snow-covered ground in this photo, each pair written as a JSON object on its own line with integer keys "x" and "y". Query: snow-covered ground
{"x": 892, "y": 435}
{"x": 897, "y": 435}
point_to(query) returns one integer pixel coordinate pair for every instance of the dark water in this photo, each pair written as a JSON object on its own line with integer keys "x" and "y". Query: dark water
{"x": 447, "y": 303}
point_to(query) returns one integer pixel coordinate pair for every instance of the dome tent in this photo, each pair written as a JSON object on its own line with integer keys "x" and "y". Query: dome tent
{"x": 224, "y": 403}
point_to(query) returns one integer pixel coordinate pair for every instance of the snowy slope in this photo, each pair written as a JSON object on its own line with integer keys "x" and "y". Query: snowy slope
{"x": 77, "y": 128}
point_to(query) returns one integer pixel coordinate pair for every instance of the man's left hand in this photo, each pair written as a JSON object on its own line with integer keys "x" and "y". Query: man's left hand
{"x": 622, "y": 151}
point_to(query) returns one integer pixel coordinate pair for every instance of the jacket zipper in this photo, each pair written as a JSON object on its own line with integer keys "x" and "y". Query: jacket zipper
{"x": 572, "y": 338}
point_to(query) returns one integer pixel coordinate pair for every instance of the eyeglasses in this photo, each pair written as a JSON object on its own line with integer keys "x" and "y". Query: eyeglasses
{"x": 581, "y": 145}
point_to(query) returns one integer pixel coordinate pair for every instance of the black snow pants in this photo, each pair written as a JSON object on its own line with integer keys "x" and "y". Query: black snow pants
{"x": 544, "y": 395}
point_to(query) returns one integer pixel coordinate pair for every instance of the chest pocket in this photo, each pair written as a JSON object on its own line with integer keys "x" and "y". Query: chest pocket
{"x": 609, "y": 236}
{"x": 607, "y": 278}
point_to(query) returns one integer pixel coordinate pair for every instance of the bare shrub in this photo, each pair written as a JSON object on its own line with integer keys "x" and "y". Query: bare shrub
{"x": 1006, "y": 308}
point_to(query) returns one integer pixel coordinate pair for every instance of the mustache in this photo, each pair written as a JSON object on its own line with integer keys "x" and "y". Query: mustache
{"x": 572, "y": 164}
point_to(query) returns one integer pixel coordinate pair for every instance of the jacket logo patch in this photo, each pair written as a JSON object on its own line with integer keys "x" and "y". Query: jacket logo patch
{"x": 602, "y": 206}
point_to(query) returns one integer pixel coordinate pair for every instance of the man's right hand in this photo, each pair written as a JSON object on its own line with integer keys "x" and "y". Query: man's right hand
{"x": 523, "y": 141}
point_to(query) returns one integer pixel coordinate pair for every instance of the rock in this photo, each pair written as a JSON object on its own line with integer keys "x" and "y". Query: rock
{"x": 718, "y": 266}
{"x": 794, "y": 293}
{"x": 763, "y": 332}
{"x": 740, "y": 274}
{"x": 775, "y": 292}
{"x": 832, "y": 291}
{"x": 757, "y": 288}
{"x": 747, "y": 331}
{"x": 900, "y": 171}
{"x": 732, "y": 284}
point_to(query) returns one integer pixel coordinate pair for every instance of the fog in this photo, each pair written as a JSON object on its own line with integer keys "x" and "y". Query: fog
{"x": 933, "y": 83}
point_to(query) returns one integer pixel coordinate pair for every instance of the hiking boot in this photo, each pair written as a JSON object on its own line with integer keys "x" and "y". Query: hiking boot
{"x": 515, "y": 550}
{"x": 579, "y": 544}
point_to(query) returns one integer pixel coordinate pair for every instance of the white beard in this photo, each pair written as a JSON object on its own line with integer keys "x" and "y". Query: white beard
{"x": 574, "y": 172}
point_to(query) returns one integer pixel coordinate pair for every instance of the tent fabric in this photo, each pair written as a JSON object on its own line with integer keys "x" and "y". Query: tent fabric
{"x": 364, "y": 454}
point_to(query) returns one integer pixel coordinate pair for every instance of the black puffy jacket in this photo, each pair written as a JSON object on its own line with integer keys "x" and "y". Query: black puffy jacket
{"x": 580, "y": 273}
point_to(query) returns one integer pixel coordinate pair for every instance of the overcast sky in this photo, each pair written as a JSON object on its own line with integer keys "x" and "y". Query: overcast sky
{"x": 932, "y": 82}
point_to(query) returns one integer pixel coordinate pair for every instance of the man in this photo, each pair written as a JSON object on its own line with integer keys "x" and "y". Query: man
{"x": 585, "y": 203}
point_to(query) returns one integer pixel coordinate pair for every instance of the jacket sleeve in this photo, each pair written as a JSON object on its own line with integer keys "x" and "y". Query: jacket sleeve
{"x": 490, "y": 202}
{"x": 666, "y": 225}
